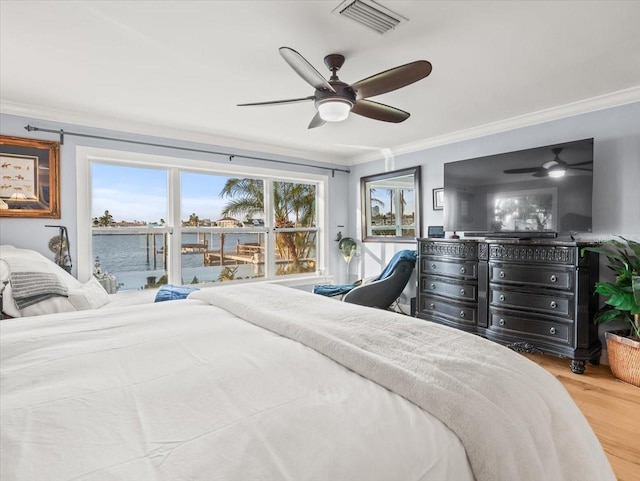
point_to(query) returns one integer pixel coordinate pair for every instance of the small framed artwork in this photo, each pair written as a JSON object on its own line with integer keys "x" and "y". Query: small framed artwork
{"x": 29, "y": 178}
{"x": 438, "y": 199}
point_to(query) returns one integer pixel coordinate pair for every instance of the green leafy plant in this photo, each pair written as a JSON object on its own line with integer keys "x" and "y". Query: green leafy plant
{"x": 623, "y": 295}
{"x": 228, "y": 274}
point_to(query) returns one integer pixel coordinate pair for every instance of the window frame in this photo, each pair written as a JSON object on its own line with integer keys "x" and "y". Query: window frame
{"x": 174, "y": 166}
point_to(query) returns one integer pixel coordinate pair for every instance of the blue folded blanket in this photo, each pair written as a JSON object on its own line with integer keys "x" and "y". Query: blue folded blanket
{"x": 169, "y": 292}
{"x": 405, "y": 255}
{"x": 339, "y": 289}
{"x": 330, "y": 290}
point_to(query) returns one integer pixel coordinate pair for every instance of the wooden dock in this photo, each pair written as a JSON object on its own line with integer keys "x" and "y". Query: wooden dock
{"x": 243, "y": 254}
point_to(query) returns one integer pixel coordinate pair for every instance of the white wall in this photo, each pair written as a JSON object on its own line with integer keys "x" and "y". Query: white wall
{"x": 32, "y": 233}
{"x": 616, "y": 190}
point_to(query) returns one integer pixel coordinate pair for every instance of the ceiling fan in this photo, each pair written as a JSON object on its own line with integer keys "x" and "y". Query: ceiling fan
{"x": 551, "y": 168}
{"x": 334, "y": 99}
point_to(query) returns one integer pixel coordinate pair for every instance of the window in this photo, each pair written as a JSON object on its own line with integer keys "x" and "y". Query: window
{"x": 295, "y": 227}
{"x": 149, "y": 220}
{"x": 222, "y": 228}
{"x": 128, "y": 228}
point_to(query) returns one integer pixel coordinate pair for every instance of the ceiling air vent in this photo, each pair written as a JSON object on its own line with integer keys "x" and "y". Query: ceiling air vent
{"x": 370, "y": 14}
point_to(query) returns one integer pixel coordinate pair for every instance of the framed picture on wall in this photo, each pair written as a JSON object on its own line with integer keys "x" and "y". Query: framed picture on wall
{"x": 29, "y": 178}
{"x": 438, "y": 198}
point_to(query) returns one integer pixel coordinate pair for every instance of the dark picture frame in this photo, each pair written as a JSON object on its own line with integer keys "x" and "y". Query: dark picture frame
{"x": 29, "y": 178}
{"x": 438, "y": 198}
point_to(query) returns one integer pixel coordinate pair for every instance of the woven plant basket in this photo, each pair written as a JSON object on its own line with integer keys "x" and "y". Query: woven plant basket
{"x": 624, "y": 358}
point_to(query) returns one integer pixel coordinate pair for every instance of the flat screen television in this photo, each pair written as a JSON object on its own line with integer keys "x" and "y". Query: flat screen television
{"x": 540, "y": 192}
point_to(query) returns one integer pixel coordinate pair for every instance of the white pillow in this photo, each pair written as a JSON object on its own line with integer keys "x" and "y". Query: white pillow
{"x": 90, "y": 296}
{"x": 37, "y": 263}
{"x": 48, "y": 306}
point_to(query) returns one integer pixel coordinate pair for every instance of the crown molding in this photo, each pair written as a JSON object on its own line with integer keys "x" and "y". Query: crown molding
{"x": 613, "y": 99}
{"x": 140, "y": 128}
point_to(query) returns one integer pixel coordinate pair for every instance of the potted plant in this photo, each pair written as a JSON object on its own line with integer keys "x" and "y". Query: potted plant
{"x": 622, "y": 303}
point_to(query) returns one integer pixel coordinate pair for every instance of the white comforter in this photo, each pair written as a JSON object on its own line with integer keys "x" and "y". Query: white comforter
{"x": 516, "y": 421}
{"x": 183, "y": 390}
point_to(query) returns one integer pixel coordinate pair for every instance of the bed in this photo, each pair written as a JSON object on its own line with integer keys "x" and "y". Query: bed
{"x": 265, "y": 382}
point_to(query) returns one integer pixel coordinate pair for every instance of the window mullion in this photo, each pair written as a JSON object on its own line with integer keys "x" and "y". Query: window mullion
{"x": 270, "y": 240}
{"x": 84, "y": 264}
{"x": 175, "y": 227}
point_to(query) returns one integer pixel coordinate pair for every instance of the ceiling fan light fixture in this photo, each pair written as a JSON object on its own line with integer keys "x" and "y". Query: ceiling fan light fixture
{"x": 334, "y": 110}
{"x": 557, "y": 172}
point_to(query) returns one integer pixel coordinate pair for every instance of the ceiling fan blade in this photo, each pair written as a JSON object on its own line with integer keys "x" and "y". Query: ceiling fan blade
{"x": 279, "y": 102}
{"x": 586, "y": 162}
{"x": 378, "y": 111}
{"x": 392, "y": 79}
{"x": 541, "y": 173}
{"x": 527, "y": 170}
{"x": 303, "y": 68}
{"x": 581, "y": 168}
{"x": 316, "y": 121}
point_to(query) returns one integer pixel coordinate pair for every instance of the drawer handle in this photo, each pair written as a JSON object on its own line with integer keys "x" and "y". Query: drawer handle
{"x": 501, "y": 274}
{"x": 462, "y": 270}
{"x": 553, "y": 278}
{"x": 461, "y": 313}
{"x": 433, "y": 266}
{"x": 553, "y": 304}
{"x": 432, "y": 306}
{"x": 462, "y": 292}
{"x": 433, "y": 286}
{"x": 501, "y": 322}
{"x": 552, "y": 330}
{"x": 501, "y": 298}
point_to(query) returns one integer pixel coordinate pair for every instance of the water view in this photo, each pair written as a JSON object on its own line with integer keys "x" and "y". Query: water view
{"x": 128, "y": 249}
{"x": 126, "y": 257}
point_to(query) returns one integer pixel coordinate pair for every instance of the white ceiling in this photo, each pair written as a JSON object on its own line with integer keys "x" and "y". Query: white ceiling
{"x": 178, "y": 69}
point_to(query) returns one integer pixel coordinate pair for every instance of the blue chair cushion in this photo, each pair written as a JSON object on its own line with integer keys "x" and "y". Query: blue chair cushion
{"x": 170, "y": 292}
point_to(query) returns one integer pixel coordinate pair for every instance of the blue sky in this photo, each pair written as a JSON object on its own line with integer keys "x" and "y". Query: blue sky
{"x": 382, "y": 196}
{"x": 131, "y": 193}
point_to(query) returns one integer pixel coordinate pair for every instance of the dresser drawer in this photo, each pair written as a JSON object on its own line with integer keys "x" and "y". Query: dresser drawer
{"x": 439, "y": 286}
{"x": 552, "y": 277}
{"x": 460, "y": 249}
{"x": 532, "y": 329}
{"x": 460, "y": 269}
{"x": 456, "y": 312}
{"x": 547, "y": 302}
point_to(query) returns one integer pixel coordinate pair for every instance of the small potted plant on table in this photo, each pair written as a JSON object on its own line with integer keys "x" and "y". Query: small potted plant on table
{"x": 622, "y": 303}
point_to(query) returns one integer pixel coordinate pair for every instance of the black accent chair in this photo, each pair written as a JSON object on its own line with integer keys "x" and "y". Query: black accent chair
{"x": 384, "y": 292}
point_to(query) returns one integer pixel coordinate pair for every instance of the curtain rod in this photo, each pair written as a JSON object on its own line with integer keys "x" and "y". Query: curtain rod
{"x": 62, "y": 133}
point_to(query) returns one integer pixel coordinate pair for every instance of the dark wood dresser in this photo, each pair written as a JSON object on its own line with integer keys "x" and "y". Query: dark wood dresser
{"x": 533, "y": 296}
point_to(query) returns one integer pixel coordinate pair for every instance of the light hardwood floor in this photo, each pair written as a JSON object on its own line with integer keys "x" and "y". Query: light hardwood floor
{"x": 612, "y": 407}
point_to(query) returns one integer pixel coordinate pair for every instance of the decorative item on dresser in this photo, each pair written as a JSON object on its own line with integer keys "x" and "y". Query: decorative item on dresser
{"x": 533, "y": 296}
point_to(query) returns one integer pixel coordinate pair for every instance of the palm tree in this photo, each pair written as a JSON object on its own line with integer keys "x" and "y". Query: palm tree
{"x": 293, "y": 204}
{"x": 194, "y": 220}
{"x": 104, "y": 220}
